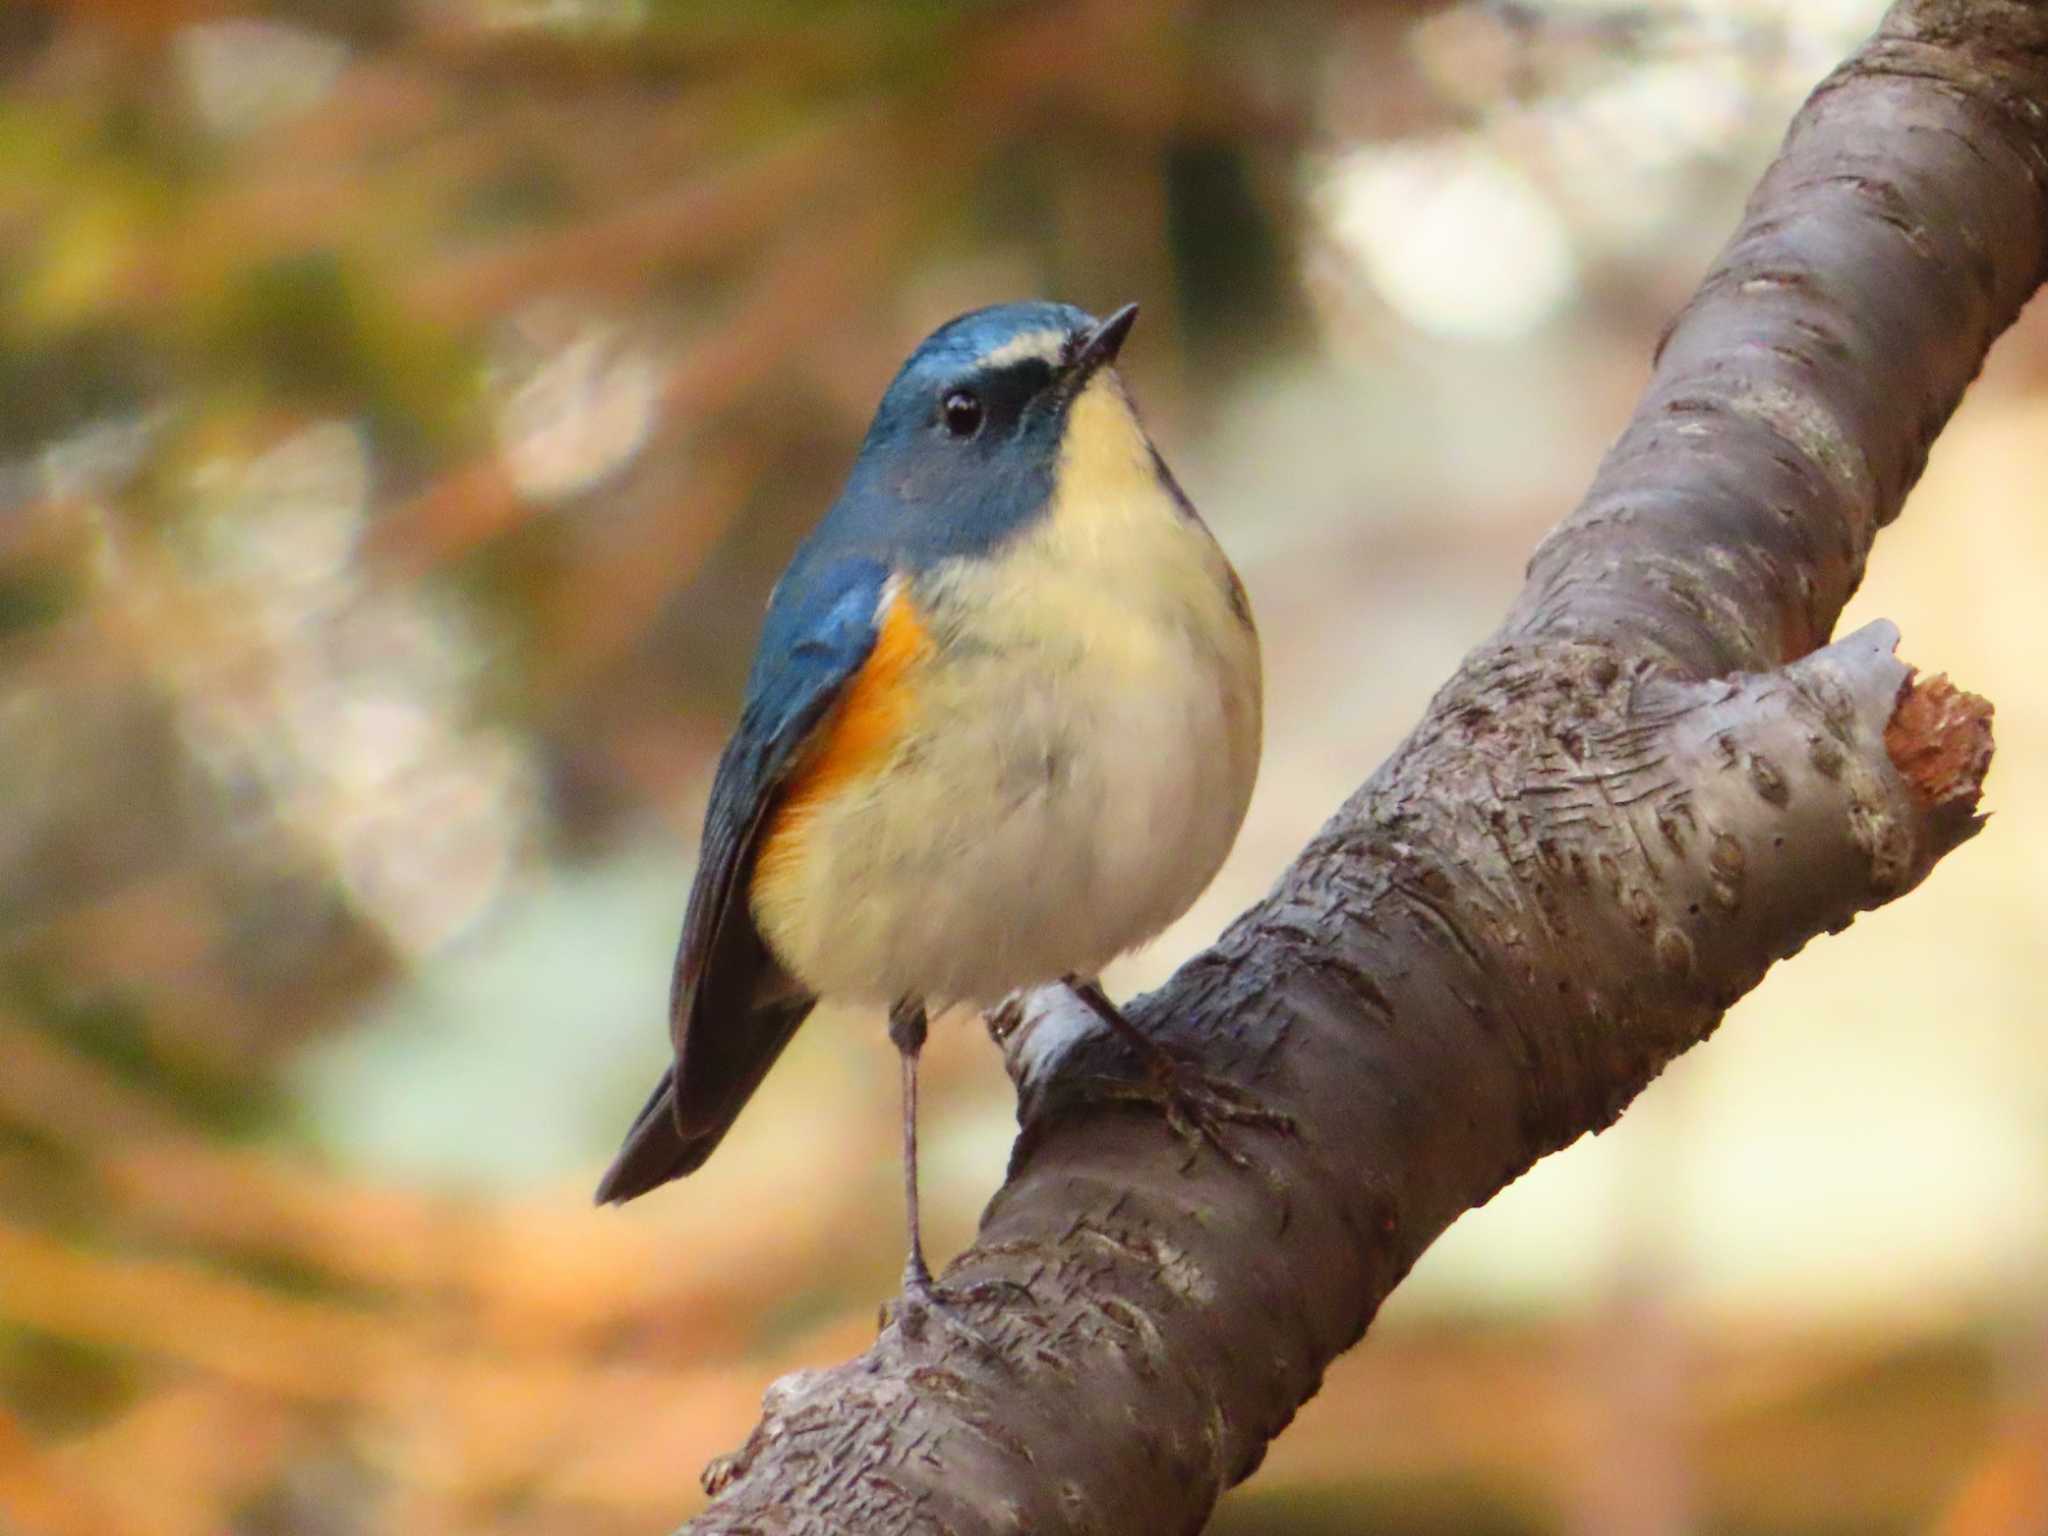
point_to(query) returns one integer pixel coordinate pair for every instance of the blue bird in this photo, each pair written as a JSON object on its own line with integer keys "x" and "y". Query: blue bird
{"x": 1002, "y": 727}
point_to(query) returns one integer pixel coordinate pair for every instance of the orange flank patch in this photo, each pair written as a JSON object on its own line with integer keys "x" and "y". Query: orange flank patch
{"x": 858, "y": 733}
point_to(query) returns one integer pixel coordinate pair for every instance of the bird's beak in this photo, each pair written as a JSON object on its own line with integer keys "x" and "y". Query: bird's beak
{"x": 1099, "y": 348}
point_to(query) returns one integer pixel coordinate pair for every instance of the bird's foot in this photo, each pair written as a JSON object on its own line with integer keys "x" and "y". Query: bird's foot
{"x": 1198, "y": 1105}
{"x": 922, "y": 1299}
{"x": 1199, "y": 1108}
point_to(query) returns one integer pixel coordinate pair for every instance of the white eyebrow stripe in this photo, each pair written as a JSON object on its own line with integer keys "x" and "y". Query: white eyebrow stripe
{"x": 1043, "y": 345}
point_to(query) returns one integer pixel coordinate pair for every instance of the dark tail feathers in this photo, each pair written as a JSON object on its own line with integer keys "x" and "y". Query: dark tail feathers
{"x": 655, "y": 1151}
{"x": 725, "y": 1070}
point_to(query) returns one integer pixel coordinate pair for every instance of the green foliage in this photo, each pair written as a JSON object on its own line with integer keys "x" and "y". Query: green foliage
{"x": 61, "y": 1386}
{"x": 309, "y": 331}
{"x": 114, "y": 1030}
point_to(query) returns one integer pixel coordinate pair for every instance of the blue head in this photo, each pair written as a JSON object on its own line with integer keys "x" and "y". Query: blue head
{"x": 965, "y": 447}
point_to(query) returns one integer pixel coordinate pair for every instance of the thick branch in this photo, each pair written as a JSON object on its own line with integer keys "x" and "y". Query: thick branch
{"x": 1611, "y": 821}
{"x": 1795, "y": 397}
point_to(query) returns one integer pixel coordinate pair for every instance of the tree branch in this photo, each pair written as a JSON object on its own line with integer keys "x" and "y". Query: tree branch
{"x": 1615, "y": 816}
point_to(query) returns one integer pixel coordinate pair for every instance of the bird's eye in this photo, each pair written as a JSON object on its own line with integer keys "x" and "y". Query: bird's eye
{"x": 962, "y": 413}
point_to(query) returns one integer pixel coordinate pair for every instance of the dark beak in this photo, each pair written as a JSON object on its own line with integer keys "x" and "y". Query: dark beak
{"x": 1099, "y": 347}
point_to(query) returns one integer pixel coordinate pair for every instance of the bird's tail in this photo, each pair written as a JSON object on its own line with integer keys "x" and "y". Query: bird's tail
{"x": 655, "y": 1150}
{"x": 669, "y": 1140}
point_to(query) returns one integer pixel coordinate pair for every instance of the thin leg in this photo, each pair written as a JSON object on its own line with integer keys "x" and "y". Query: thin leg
{"x": 921, "y": 1296}
{"x": 907, "y": 1030}
{"x": 1156, "y": 1056}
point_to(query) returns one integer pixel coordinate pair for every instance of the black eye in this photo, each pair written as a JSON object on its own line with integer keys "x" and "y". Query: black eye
{"x": 962, "y": 413}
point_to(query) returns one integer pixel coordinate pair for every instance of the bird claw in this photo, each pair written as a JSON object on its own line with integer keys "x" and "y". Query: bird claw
{"x": 922, "y": 1299}
{"x": 1198, "y": 1106}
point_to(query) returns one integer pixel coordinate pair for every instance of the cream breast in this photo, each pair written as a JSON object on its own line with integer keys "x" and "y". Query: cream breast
{"x": 1075, "y": 761}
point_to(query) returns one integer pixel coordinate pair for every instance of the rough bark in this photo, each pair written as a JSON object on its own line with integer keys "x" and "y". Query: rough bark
{"x": 1642, "y": 791}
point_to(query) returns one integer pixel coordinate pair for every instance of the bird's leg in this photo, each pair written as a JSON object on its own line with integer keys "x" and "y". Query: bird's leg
{"x": 922, "y": 1297}
{"x": 907, "y": 1031}
{"x": 1197, "y": 1105}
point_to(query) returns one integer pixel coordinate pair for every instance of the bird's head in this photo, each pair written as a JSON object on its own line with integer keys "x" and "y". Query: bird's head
{"x": 994, "y": 414}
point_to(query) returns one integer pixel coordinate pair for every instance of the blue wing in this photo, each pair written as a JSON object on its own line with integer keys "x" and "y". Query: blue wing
{"x": 732, "y": 1008}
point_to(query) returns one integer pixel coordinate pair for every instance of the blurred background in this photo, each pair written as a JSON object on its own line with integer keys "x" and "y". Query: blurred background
{"x": 405, "y": 407}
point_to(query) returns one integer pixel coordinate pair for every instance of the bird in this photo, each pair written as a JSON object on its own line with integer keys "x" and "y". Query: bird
{"x": 1002, "y": 726}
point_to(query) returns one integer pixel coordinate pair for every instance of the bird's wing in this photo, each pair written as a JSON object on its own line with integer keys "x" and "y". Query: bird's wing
{"x": 816, "y": 642}
{"x": 732, "y": 1008}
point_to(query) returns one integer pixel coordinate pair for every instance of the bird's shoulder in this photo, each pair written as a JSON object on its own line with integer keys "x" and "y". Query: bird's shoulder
{"x": 859, "y": 633}
{"x": 828, "y": 691}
